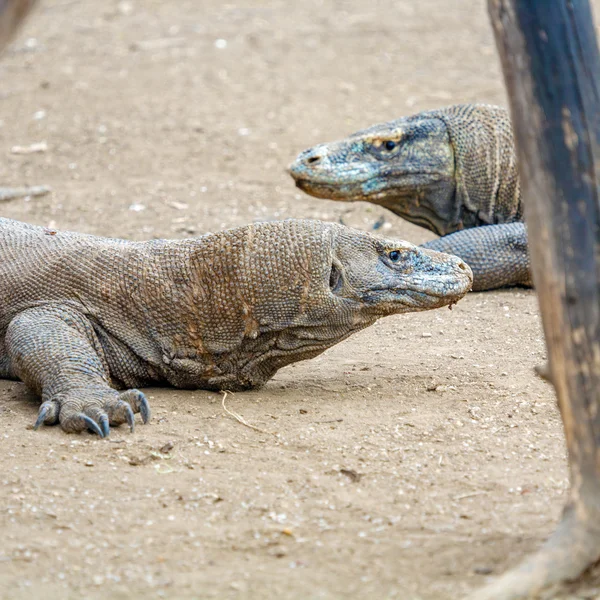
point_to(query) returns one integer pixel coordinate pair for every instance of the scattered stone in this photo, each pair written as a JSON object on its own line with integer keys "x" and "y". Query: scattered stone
{"x": 278, "y": 551}
{"x": 352, "y": 475}
{"x": 167, "y": 448}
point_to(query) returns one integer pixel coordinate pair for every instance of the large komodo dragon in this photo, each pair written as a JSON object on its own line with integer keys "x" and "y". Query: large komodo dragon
{"x": 450, "y": 170}
{"x": 82, "y": 317}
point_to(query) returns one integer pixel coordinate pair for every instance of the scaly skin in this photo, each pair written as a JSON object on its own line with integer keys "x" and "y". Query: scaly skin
{"x": 450, "y": 170}
{"x": 82, "y": 317}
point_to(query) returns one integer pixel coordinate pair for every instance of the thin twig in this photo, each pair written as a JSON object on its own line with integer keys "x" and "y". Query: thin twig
{"x": 470, "y": 495}
{"x": 241, "y": 419}
{"x": 12, "y": 193}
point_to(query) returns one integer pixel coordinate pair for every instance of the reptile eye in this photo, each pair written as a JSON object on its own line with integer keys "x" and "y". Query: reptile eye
{"x": 394, "y": 255}
{"x": 390, "y": 145}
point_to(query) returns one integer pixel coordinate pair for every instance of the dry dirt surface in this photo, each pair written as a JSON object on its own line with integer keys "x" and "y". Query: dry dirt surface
{"x": 413, "y": 461}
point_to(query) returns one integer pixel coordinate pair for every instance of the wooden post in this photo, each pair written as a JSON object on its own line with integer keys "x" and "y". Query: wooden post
{"x": 12, "y": 12}
{"x": 551, "y": 67}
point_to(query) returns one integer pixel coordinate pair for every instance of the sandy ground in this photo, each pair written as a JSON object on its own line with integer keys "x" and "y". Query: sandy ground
{"x": 413, "y": 461}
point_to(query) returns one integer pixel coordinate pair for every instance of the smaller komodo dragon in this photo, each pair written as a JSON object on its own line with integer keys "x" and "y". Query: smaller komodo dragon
{"x": 451, "y": 170}
{"x": 82, "y": 316}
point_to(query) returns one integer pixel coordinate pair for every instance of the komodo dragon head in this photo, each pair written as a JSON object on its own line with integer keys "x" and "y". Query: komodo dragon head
{"x": 279, "y": 292}
{"x": 443, "y": 169}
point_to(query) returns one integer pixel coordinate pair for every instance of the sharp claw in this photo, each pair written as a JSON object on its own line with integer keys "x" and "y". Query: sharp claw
{"x": 144, "y": 409}
{"x": 138, "y": 402}
{"x": 104, "y": 426}
{"x": 130, "y": 418}
{"x": 91, "y": 424}
{"x": 42, "y": 414}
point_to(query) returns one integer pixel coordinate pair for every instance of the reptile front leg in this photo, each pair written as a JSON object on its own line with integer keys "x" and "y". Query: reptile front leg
{"x": 497, "y": 254}
{"x": 55, "y": 351}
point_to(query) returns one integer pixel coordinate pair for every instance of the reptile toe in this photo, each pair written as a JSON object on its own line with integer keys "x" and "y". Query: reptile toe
{"x": 78, "y": 422}
{"x": 47, "y": 415}
{"x": 119, "y": 411}
{"x": 138, "y": 402}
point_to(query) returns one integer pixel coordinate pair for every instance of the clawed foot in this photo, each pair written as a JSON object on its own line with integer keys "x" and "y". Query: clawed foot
{"x": 97, "y": 412}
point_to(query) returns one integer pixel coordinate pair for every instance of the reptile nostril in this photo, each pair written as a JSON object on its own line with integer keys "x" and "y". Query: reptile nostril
{"x": 461, "y": 265}
{"x": 311, "y": 160}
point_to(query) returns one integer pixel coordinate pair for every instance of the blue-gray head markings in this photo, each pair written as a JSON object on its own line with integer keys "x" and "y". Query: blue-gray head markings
{"x": 405, "y": 165}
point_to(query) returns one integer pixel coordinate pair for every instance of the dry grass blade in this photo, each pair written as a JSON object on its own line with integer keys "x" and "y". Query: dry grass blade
{"x": 241, "y": 419}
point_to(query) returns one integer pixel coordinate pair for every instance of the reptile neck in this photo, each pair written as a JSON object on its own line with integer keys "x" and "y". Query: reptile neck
{"x": 487, "y": 181}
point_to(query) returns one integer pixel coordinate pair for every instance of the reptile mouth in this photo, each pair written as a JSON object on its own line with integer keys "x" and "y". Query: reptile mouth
{"x": 425, "y": 301}
{"x": 456, "y": 290}
{"x": 355, "y": 189}
{"x": 327, "y": 191}
{"x": 417, "y": 297}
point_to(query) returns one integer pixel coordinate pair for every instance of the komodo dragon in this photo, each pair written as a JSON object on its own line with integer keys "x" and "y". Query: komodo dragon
{"x": 449, "y": 170}
{"x": 82, "y": 316}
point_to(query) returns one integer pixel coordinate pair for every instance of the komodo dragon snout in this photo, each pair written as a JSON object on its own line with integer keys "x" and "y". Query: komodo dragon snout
{"x": 406, "y": 165}
{"x": 82, "y": 317}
